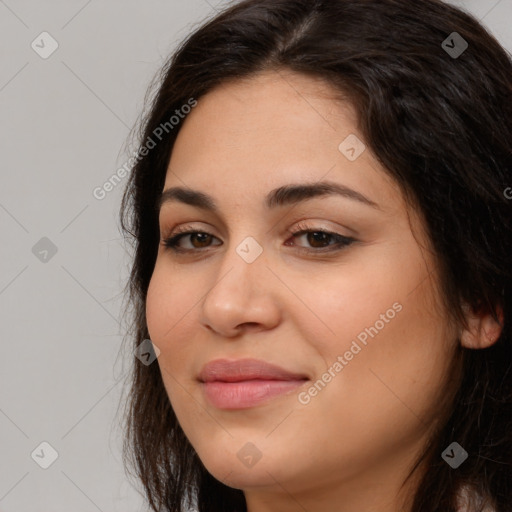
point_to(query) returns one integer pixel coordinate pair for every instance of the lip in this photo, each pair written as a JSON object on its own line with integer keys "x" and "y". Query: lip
{"x": 244, "y": 383}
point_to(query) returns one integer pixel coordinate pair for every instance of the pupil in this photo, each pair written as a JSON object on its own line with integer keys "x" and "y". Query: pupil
{"x": 198, "y": 237}
{"x": 317, "y": 236}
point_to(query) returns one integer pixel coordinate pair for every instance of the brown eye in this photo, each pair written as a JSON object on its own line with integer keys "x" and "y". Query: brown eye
{"x": 320, "y": 240}
{"x": 196, "y": 240}
{"x": 317, "y": 238}
{"x": 201, "y": 238}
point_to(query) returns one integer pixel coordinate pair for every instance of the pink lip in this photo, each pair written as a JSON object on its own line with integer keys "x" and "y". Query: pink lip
{"x": 245, "y": 382}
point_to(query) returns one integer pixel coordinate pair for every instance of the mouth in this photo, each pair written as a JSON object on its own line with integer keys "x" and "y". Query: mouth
{"x": 245, "y": 383}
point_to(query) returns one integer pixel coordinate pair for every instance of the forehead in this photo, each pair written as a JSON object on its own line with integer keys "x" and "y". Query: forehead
{"x": 249, "y": 136}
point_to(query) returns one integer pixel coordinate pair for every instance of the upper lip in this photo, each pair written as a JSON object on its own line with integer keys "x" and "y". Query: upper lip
{"x": 225, "y": 370}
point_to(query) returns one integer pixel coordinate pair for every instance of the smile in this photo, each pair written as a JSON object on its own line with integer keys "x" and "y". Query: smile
{"x": 246, "y": 383}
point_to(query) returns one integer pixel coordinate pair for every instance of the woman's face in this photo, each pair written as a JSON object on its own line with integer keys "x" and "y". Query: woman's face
{"x": 354, "y": 322}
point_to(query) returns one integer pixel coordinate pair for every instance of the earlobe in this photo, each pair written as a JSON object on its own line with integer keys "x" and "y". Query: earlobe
{"x": 483, "y": 331}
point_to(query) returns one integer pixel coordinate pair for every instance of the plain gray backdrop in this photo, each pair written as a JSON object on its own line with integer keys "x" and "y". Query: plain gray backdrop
{"x": 65, "y": 117}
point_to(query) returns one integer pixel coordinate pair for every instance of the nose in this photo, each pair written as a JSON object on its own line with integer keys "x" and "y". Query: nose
{"x": 243, "y": 296}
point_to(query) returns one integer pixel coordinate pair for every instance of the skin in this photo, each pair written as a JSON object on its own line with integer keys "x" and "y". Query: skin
{"x": 352, "y": 445}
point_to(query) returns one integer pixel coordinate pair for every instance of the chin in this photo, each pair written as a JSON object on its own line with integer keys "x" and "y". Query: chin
{"x": 239, "y": 477}
{"x": 241, "y": 465}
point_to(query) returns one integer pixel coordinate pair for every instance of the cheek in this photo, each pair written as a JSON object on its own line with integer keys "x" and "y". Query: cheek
{"x": 163, "y": 312}
{"x": 166, "y": 317}
{"x": 385, "y": 323}
{"x": 157, "y": 312}
{"x": 345, "y": 303}
{"x": 169, "y": 304}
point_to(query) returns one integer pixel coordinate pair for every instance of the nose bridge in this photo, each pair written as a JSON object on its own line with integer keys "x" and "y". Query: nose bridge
{"x": 243, "y": 264}
{"x": 239, "y": 295}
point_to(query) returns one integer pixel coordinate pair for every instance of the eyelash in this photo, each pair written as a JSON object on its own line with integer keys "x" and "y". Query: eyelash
{"x": 342, "y": 241}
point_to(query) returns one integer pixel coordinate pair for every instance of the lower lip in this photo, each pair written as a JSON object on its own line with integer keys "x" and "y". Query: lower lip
{"x": 241, "y": 395}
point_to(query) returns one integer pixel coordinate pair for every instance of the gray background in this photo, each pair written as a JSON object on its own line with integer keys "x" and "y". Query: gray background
{"x": 65, "y": 121}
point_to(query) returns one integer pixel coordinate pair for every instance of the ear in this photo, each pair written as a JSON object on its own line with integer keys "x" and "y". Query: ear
{"x": 483, "y": 331}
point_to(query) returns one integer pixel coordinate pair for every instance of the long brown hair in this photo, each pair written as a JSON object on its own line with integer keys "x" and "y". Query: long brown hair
{"x": 440, "y": 123}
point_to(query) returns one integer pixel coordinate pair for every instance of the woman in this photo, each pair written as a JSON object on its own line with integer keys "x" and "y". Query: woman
{"x": 322, "y": 265}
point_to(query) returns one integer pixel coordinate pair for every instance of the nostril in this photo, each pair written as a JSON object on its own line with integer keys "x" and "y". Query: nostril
{"x": 251, "y": 324}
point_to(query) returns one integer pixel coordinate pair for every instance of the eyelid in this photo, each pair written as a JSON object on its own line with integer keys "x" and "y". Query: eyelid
{"x": 297, "y": 229}
{"x": 305, "y": 225}
{"x": 341, "y": 241}
{"x": 303, "y": 228}
{"x": 167, "y": 232}
{"x": 301, "y": 224}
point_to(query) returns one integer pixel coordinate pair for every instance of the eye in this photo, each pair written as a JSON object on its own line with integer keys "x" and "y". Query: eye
{"x": 319, "y": 239}
{"x": 197, "y": 239}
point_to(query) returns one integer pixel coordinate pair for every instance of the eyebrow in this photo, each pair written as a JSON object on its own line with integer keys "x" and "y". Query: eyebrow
{"x": 281, "y": 196}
